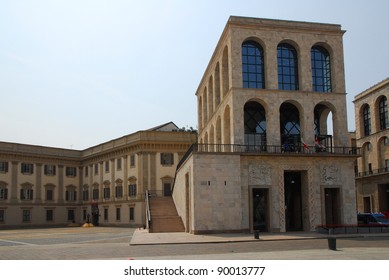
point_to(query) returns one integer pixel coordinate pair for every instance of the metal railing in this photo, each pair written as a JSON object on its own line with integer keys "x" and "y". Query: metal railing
{"x": 148, "y": 213}
{"x": 373, "y": 172}
{"x": 268, "y": 149}
{"x": 272, "y": 149}
{"x": 350, "y": 229}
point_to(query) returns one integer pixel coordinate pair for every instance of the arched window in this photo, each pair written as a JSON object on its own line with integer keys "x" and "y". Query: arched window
{"x": 323, "y": 127}
{"x": 383, "y": 109}
{"x": 321, "y": 69}
{"x": 252, "y": 65}
{"x": 255, "y": 125}
{"x": 290, "y": 127}
{"x": 366, "y": 120}
{"x": 287, "y": 67}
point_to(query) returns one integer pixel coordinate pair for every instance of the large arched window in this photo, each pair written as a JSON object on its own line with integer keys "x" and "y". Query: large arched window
{"x": 252, "y": 65}
{"x": 255, "y": 124}
{"x": 383, "y": 110}
{"x": 290, "y": 127}
{"x": 287, "y": 67}
{"x": 366, "y": 120}
{"x": 321, "y": 69}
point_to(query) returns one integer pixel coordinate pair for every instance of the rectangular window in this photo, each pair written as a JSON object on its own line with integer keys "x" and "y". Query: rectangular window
{"x": 71, "y": 171}
{"x": 167, "y": 159}
{"x": 96, "y": 168}
{"x": 26, "y": 215}
{"x": 119, "y": 164}
{"x": 105, "y": 214}
{"x": 85, "y": 195}
{"x": 95, "y": 194}
{"x": 49, "y": 215}
{"x": 84, "y": 214}
{"x": 49, "y": 195}
{"x": 132, "y": 190}
{"x": 70, "y": 195}
{"x": 26, "y": 194}
{"x": 3, "y": 193}
{"x": 86, "y": 170}
{"x": 107, "y": 166}
{"x": 50, "y": 169}
{"x": 2, "y": 215}
{"x": 118, "y": 214}
{"x": 3, "y": 166}
{"x": 132, "y": 213}
{"x": 107, "y": 193}
{"x": 118, "y": 191}
{"x": 27, "y": 168}
{"x": 132, "y": 160}
{"x": 71, "y": 215}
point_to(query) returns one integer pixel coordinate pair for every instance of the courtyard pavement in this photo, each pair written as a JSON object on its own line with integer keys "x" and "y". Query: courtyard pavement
{"x": 77, "y": 243}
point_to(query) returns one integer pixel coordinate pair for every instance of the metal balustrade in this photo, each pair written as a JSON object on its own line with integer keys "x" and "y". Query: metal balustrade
{"x": 373, "y": 172}
{"x": 289, "y": 149}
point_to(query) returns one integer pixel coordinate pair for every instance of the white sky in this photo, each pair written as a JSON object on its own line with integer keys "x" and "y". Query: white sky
{"x": 77, "y": 73}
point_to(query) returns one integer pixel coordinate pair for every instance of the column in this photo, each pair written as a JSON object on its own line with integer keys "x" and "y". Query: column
{"x": 60, "y": 184}
{"x": 14, "y": 182}
{"x": 125, "y": 177}
{"x": 113, "y": 184}
{"x": 38, "y": 183}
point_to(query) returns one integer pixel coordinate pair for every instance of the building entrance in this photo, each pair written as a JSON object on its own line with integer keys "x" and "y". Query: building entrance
{"x": 383, "y": 196}
{"x": 95, "y": 213}
{"x": 293, "y": 201}
{"x": 332, "y": 206}
{"x": 260, "y": 209}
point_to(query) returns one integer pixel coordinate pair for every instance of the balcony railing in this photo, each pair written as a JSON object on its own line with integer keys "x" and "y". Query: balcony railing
{"x": 373, "y": 172}
{"x": 289, "y": 149}
{"x": 274, "y": 149}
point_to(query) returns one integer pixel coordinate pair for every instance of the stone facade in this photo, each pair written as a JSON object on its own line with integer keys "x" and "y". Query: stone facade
{"x": 242, "y": 180}
{"x": 42, "y": 186}
{"x": 372, "y": 135}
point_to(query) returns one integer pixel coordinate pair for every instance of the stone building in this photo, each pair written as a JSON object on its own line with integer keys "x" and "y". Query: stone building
{"x": 265, "y": 158}
{"x": 43, "y": 186}
{"x": 372, "y": 123}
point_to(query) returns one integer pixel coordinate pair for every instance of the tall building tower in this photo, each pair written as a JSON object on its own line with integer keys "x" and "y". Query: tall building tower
{"x": 273, "y": 144}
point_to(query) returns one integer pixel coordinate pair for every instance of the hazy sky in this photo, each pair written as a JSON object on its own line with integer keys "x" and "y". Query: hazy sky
{"x": 77, "y": 73}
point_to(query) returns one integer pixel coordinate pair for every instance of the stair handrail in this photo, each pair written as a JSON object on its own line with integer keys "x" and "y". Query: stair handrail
{"x": 148, "y": 213}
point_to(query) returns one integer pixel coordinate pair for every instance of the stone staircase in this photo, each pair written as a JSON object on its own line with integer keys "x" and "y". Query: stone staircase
{"x": 164, "y": 216}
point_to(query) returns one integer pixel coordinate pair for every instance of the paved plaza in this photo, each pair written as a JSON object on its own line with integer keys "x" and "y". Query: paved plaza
{"x": 78, "y": 243}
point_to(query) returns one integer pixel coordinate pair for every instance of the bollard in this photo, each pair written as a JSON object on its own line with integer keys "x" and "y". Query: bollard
{"x": 256, "y": 234}
{"x": 331, "y": 240}
{"x": 332, "y": 243}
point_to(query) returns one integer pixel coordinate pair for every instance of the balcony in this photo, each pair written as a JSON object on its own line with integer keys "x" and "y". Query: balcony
{"x": 275, "y": 149}
{"x": 373, "y": 172}
{"x": 293, "y": 150}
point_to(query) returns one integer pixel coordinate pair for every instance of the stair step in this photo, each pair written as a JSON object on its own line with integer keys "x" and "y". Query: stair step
{"x": 164, "y": 216}
{"x": 167, "y": 224}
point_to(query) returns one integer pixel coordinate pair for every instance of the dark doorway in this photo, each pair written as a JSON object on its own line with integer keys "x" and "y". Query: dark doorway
{"x": 332, "y": 206}
{"x": 293, "y": 201}
{"x": 366, "y": 204}
{"x": 383, "y": 196}
{"x": 167, "y": 189}
{"x": 95, "y": 213}
{"x": 260, "y": 209}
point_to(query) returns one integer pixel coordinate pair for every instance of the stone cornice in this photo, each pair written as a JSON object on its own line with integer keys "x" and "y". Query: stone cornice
{"x": 372, "y": 90}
